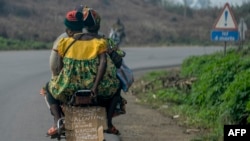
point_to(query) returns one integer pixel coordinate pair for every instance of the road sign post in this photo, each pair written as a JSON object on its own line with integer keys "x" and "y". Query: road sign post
{"x": 225, "y": 28}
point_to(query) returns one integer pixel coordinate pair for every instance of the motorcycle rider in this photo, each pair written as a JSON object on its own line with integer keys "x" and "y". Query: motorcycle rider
{"x": 117, "y": 32}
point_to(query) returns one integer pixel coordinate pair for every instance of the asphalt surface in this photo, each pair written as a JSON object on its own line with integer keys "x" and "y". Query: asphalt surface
{"x": 24, "y": 115}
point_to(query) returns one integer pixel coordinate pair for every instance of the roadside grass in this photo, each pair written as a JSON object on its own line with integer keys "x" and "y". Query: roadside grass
{"x": 12, "y": 44}
{"x": 205, "y": 93}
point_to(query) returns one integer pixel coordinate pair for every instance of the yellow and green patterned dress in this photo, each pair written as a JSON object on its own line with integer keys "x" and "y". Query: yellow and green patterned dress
{"x": 80, "y": 66}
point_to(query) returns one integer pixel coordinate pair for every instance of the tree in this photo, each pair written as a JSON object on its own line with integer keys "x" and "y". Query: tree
{"x": 185, "y": 7}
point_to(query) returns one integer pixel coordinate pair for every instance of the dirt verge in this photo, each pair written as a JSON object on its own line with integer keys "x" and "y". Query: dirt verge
{"x": 142, "y": 123}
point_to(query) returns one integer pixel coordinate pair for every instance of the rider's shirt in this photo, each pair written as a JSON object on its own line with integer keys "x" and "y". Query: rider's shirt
{"x": 80, "y": 66}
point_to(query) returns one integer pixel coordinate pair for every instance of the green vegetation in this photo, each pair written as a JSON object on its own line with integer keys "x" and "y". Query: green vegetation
{"x": 11, "y": 44}
{"x": 207, "y": 92}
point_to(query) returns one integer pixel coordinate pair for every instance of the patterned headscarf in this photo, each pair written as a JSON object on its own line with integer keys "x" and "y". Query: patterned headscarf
{"x": 74, "y": 20}
{"x": 91, "y": 18}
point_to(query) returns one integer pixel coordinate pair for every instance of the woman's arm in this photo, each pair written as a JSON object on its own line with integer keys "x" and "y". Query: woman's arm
{"x": 55, "y": 59}
{"x": 101, "y": 71}
{"x": 55, "y": 63}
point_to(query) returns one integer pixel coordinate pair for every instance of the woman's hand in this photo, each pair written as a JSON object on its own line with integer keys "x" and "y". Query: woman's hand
{"x": 94, "y": 92}
{"x": 43, "y": 92}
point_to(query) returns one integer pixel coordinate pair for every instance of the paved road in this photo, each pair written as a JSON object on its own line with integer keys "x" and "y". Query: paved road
{"x": 23, "y": 113}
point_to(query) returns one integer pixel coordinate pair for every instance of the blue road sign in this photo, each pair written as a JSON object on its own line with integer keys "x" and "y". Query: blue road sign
{"x": 223, "y": 35}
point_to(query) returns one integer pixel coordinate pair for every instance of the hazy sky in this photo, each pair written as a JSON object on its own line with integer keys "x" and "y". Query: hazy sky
{"x": 222, "y": 2}
{"x": 219, "y": 3}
